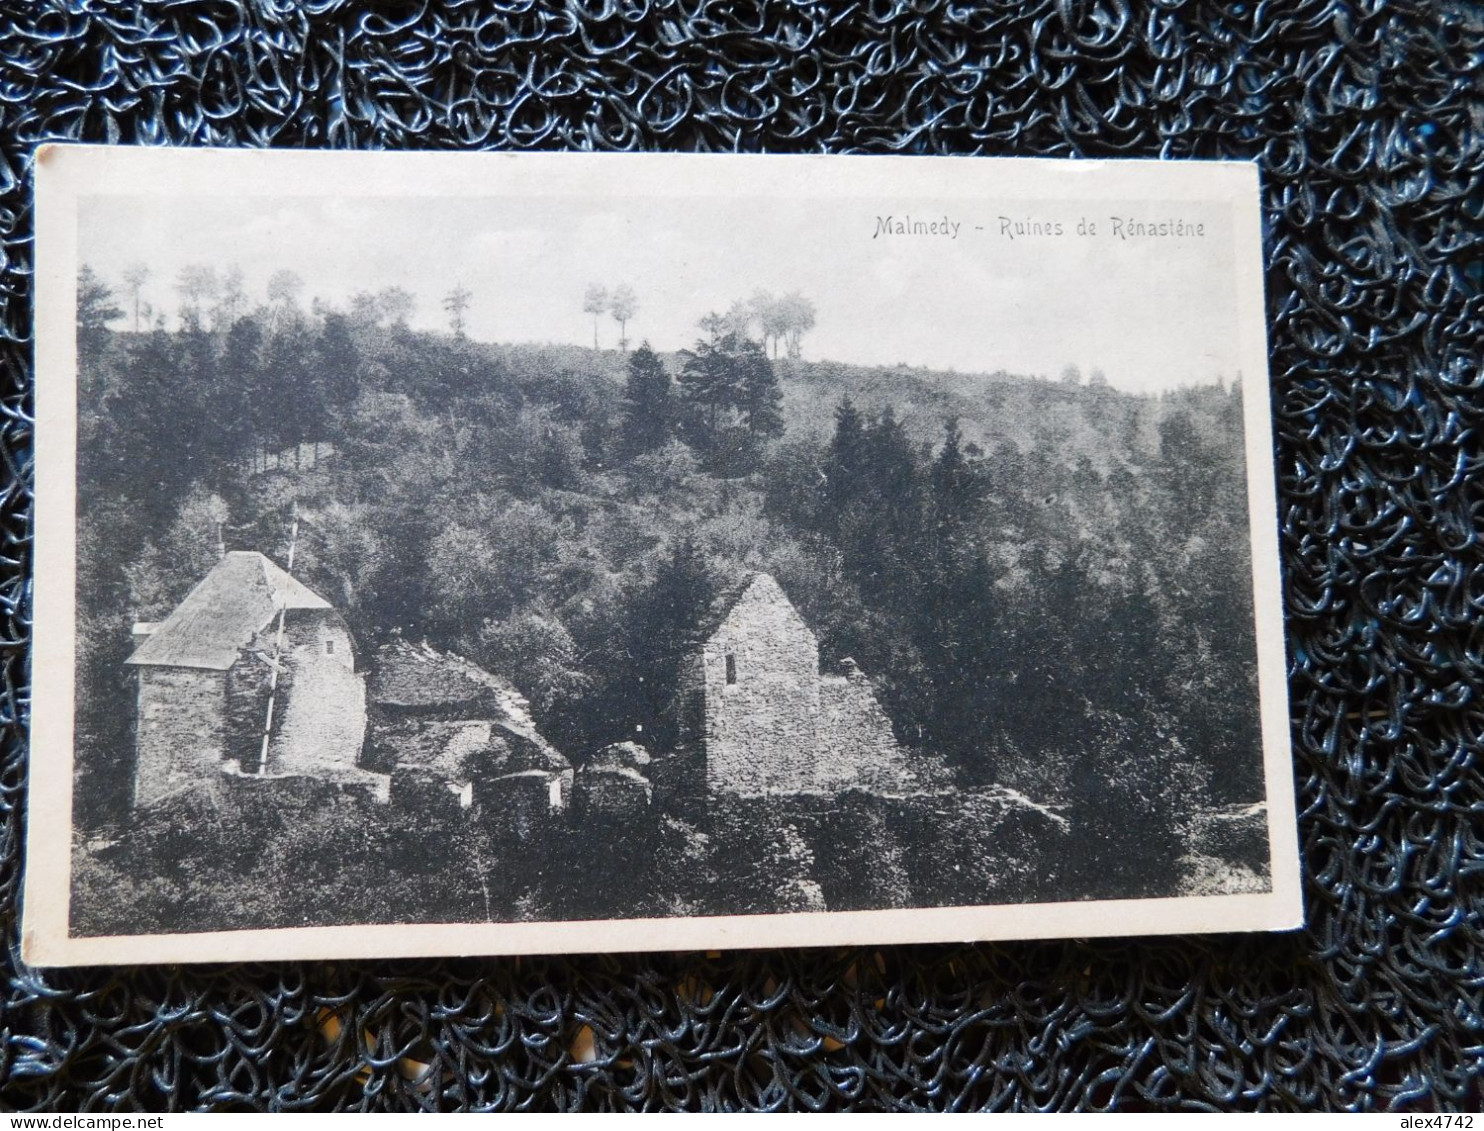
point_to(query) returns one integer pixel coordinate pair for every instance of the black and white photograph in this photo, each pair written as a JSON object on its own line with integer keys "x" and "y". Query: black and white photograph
{"x": 492, "y": 554}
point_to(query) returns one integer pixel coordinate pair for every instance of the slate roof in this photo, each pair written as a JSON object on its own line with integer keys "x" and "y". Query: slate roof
{"x": 419, "y": 677}
{"x": 533, "y": 754}
{"x": 219, "y": 617}
{"x": 620, "y": 756}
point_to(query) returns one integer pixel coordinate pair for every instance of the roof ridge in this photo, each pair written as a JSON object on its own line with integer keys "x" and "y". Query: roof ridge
{"x": 727, "y": 599}
{"x": 235, "y": 599}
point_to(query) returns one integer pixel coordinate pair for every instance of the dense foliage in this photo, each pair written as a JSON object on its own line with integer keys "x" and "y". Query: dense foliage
{"x": 1048, "y": 582}
{"x": 211, "y": 866}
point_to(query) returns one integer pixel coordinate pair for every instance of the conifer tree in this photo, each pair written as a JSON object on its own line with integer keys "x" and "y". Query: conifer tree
{"x": 135, "y": 277}
{"x": 280, "y": 417}
{"x": 843, "y": 466}
{"x": 762, "y": 399}
{"x": 138, "y": 410}
{"x": 662, "y": 625}
{"x": 240, "y": 374}
{"x": 96, "y": 307}
{"x": 337, "y": 359}
{"x": 456, "y": 303}
{"x": 193, "y": 408}
{"x": 648, "y": 403}
{"x": 707, "y": 393}
{"x": 730, "y": 400}
{"x": 954, "y": 487}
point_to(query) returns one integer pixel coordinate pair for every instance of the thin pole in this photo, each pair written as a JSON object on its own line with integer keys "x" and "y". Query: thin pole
{"x": 278, "y": 649}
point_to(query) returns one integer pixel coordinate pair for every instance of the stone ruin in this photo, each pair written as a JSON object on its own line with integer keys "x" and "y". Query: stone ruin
{"x": 612, "y": 785}
{"x": 757, "y": 716}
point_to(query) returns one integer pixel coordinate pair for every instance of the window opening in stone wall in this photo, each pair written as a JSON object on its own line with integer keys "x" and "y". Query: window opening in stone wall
{"x": 731, "y": 668}
{"x": 329, "y": 647}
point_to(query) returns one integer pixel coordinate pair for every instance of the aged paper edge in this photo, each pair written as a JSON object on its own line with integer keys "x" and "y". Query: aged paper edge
{"x": 64, "y": 173}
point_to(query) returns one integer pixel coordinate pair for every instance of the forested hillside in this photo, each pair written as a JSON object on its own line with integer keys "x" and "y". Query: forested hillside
{"x": 1047, "y": 581}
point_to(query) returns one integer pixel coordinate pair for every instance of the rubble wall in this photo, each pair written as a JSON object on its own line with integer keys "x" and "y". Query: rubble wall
{"x": 856, "y": 743}
{"x": 760, "y": 729}
{"x": 180, "y": 731}
{"x": 321, "y": 707}
{"x": 247, "y": 708}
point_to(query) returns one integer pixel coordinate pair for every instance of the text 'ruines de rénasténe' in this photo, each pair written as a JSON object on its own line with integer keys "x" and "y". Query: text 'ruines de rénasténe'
{"x": 907, "y": 225}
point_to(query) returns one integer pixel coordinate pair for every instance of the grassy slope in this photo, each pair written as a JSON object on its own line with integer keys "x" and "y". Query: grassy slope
{"x": 992, "y": 408}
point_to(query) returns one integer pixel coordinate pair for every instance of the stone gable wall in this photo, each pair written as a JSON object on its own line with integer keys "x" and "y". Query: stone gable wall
{"x": 308, "y": 631}
{"x": 321, "y": 724}
{"x": 781, "y": 727}
{"x": 759, "y": 731}
{"x": 181, "y": 733}
{"x": 191, "y": 721}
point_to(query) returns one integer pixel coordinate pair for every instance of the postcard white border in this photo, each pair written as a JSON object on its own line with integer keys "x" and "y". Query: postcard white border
{"x": 66, "y": 173}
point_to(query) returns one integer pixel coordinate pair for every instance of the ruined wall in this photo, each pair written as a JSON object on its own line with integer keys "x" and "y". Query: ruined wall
{"x": 760, "y": 728}
{"x": 247, "y": 705}
{"x": 321, "y": 723}
{"x": 180, "y": 731}
{"x": 612, "y": 793}
{"x": 320, "y": 634}
{"x": 856, "y": 743}
{"x": 753, "y": 700}
{"x": 426, "y": 794}
{"x": 251, "y": 793}
{"x": 522, "y": 804}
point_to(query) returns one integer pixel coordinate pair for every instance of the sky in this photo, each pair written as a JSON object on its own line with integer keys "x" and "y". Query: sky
{"x": 1150, "y": 313}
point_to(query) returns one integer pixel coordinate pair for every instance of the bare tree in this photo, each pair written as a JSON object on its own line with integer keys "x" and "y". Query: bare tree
{"x": 397, "y": 304}
{"x": 797, "y": 316}
{"x": 771, "y": 317}
{"x": 623, "y": 304}
{"x": 713, "y": 325}
{"x": 738, "y": 319}
{"x": 456, "y": 302}
{"x": 283, "y": 295}
{"x": 95, "y": 306}
{"x": 284, "y": 287}
{"x": 366, "y": 309}
{"x": 595, "y": 302}
{"x": 135, "y": 277}
{"x": 196, "y": 285}
{"x": 232, "y": 301}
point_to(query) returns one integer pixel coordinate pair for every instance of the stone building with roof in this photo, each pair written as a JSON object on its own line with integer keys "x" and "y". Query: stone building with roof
{"x": 202, "y": 686}
{"x": 452, "y": 735}
{"x": 757, "y": 716}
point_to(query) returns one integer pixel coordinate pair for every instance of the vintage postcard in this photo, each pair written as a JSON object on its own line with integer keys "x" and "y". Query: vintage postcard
{"x": 512, "y": 553}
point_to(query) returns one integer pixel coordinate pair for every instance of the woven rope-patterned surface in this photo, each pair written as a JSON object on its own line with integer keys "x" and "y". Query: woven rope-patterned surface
{"x": 1368, "y": 122}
